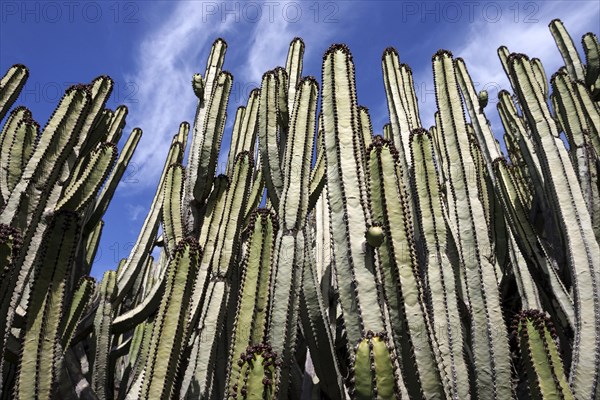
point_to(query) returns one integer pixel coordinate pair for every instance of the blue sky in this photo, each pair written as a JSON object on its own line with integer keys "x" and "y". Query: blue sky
{"x": 152, "y": 48}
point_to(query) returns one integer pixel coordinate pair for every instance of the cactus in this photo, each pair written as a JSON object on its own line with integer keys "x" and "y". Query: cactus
{"x": 328, "y": 261}
{"x": 541, "y": 356}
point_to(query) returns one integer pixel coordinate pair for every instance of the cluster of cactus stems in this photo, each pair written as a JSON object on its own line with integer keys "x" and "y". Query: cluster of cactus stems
{"x": 327, "y": 261}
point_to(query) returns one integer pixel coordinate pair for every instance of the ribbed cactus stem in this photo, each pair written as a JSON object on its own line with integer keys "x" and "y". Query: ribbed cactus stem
{"x": 171, "y": 328}
{"x": 251, "y": 316}
{"x": 591, "y": 48}
{"x": 567, "y": 49}
{"x": 41, "y": 348}
{"x": 293, "y": 68}
{"x": 102, "y": 376}
{"x": 441, "y": 283}
{"x": 267, "y": 137}
{"x": 402, "y": 290}
{"x": 10, "y": 87}
{"x": 374, "y": 371}
{"x": 488, "y": 334}
{"x": 541, "y": 357}
{"x": 172, "y": 209}
{"x": 213, "y": 71}
{"x": 583, "y": 253}
{"x": 348, "y": 212}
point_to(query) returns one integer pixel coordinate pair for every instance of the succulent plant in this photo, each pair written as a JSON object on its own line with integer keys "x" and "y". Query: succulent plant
{"x": 328, "y": 261}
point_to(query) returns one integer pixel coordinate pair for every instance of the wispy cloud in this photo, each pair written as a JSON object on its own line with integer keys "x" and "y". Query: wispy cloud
{"x": 134, "y": 211}
{"x": 166, "y": 59}
{"x": 170, "y": 54}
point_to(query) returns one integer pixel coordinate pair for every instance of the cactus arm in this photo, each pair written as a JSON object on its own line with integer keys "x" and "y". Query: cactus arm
{"x": 142, "y": 311}
{"x": 102, "y": 202}
{"x": 102, "y": 371}
{"x": 365, "y": 125}
{"x": 225, "y": 252}
{"x": 213, "y": 71}
{"x": 221, "y": 240}
{"x": 16, "y": 117}
{"x": 212, "y": 132}
{"x": 525, "y": 285}
{"x": 583, "y": 253}
{"x": 267, "y": 137}
{"x": 172, "y": 213}
{"x": 283, "y": 113}
{"x": 591, "y": 48}
{"x": 402, "y": 289}
{"x": 55, "y": 142}
{"x": 78, "y": 194}
{"x": 256, "y": 194}
{"x": 10, "y": 87}
{"x": 126, "y": 276}
{"x": 316, "y": 325}
{"x": 201, "y": 366}
{"x": 209, "y": 234}
{"x": 294, "y": 197}
{"x": 484, "y": 134}
{"x": 115, "y": 129}
{"x": 100, "y": 90}
{"x": 545, "y": 372}
{"x": 347, "y": 211}
{"x": 288, "y": 258}
{"x": 40, "y": 345}
{"x": 540, "y": 75}
{"x": 592, "y": 114}
{"x": 79, "y": 303}
{"x": 487, "y": 326}
{"x": 243, "y": 137}
{"x": 517, "y": 127}
{"x": 404, "y": 116}
{"x": 293, "y": 68}
{"x": 236, "y": 138}
{"x": 17, "y": 148}
{"x": 567, "y": 50}
{"x": 317, "y": 181}
{"x": 574, "y": 124}
{"x": 289, "y": 245}
{"x": 170, "y": 330}
{"x": 572, "y": 121}
{"x": 138, "y": 358}
{"x": 440, "y": 271}
{"x": 529, "y": 244}
{"x": 251, "y": 317}
{"x": 374, "y": 369}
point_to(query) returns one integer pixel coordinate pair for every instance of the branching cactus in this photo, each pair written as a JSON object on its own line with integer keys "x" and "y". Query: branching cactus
{"x": 328, "y": 261}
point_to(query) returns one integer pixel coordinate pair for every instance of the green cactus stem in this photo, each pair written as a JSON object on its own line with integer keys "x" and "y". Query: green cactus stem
{"x": 10, "y": 87}
{"x": 41, "y": 350}
{"x": 541, "y": 356}
{"x": 171, "y": 329}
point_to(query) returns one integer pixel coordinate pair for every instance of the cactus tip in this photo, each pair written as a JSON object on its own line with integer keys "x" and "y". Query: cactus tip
{"x": 441, "y": 53}
{"x": 338, "y": 47}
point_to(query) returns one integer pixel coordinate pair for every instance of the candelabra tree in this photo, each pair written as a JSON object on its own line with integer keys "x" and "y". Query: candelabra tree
{"x": 326, "y": 261}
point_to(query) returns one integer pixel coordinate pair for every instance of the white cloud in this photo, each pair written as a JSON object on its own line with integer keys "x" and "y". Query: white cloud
{"x": 166, "y": 60}
{"x": 134, "y": 211}
{"x": 170, "y": 54}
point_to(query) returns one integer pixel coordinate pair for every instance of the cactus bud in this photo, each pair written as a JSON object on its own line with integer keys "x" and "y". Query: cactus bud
{"x": 198, "y": 85}
{"x": 375, "y": 235}
{"x": 483, "y": 99}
